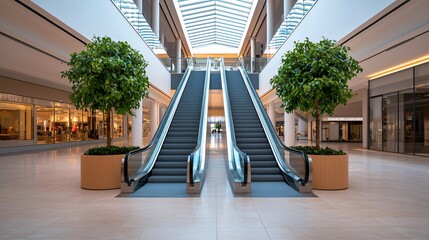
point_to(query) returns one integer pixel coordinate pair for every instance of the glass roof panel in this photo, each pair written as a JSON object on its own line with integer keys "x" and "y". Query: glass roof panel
{"x": 215, "y": 21}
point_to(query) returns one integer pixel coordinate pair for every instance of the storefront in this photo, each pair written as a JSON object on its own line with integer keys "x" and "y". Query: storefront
{"x": 347, "y": 129}
{"x": 28, "y": 121}
{"x": 399, "y": 112}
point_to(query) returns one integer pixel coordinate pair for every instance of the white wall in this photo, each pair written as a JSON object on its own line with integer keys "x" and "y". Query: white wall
{"x": 102, "y": 18}
{"x": 332, "y": 19}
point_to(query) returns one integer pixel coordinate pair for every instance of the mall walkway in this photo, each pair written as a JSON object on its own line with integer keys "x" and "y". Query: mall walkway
{"x": 41, "y": 198}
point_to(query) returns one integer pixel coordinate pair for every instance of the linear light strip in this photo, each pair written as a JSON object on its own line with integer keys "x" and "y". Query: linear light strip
{"x": 399, "y": 67}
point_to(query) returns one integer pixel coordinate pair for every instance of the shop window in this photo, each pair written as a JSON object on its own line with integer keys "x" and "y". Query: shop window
{"x": 45, "y": 121}
{"x": 62, "y": 127}
{"x": 77, "y": 124}
{"x": 375, "y": 123}
{"x": 118, "y": 120}
{"x": 16, "y": 120}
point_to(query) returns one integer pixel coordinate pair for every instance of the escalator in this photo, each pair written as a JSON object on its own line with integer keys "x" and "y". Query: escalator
{"x": 257, "y": 157}
{"x": 249, "y": 134}
{"x": 182, "y": 136}
{"x": 176, "y": 154}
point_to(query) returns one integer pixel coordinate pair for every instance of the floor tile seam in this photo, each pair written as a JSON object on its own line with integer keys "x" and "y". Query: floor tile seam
{"x": 260, "y": 219}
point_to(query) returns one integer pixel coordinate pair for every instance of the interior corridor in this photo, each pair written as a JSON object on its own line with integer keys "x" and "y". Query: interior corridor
{"x": 41, "y": 198}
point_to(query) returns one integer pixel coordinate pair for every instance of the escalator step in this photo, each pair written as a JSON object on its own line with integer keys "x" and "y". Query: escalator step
{"x": 247, "y": 125}
{"x": 246, "y": 129}
{"x": 251, "y": 140}
{"x": 268, "y": 157}
{"x": 169, "y": 171}
{"x": 174, "y": 140}
{"x": 250, "y": 135}
{"x": 159, "y": 164}
{"x": 178, "y": 145}
{"x": 263, "y": 164}
{"x": 267, "y": 178}
{"x": 253, "y": 152}
{"x": 181, "y": 134}
{"x": 172, "y": 158}
{"x": 265, "y": 171}
{"x": 174, "y": 152}
{"x": 167, "y": 179}
{"x": 188, "y": 129}
{"x": 254, "y": 145}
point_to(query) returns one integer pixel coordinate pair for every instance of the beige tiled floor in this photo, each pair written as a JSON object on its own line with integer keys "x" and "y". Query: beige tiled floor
{"x": 40, "y": 198}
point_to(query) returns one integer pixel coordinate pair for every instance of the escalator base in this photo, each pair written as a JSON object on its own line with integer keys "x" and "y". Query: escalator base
{"x": 160, "y": 190}
{"x": 274, "y": 190}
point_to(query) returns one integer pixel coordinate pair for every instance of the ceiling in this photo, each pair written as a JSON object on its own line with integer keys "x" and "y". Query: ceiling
{"x": 220, "y": 22}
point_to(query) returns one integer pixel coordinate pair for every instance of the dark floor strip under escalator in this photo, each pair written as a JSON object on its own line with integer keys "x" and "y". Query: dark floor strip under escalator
{"x": 181, "y": 140}
{"x": 267, "y": 179}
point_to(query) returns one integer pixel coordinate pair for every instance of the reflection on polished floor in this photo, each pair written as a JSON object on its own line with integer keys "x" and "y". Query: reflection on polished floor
{"x": 41, "y": 198}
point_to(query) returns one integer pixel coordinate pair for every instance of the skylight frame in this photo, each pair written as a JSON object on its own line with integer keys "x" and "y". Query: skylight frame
{"x": 228, "y": 17}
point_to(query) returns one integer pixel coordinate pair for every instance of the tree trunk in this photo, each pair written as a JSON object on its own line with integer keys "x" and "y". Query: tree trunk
{"x": 109, "y": 136}
{"x": 317, "y": 123}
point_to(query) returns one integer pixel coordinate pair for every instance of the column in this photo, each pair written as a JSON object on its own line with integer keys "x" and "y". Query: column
{"x": 287, "y": 7}
{"x": 289, "y": 129}
{"x": 270, "y": 20}
{"x": 139, "y": 4}
{"x": 301, "y": 127}
{"x": 154, "y": 117}
{"x": 125, "y": 128}
{"x": 162, "y": 39}
{"x": 155, "y": 17}
{"x": 137, "y": 126}
{"x": 179, "y": 55}
{"x": 365, "y": 118}
{"x": 252, "y": 54}
{"x": 272, "y": 113}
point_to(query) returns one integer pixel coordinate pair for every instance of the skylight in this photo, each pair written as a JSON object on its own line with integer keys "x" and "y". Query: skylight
{"x": 209, "y": 22}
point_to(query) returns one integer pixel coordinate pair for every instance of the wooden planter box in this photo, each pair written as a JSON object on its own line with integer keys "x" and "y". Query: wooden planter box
{"x": 100, "y": 172}
{"x": 330, "y": 172}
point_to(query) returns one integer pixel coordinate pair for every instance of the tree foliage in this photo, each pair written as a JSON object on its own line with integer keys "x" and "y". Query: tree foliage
{"x": 107, "y": 76}
{"x": 313, "y": 77}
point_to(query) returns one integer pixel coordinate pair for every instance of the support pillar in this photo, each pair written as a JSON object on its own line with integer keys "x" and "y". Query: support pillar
{"x": 365, "y": 118}
{"x": 270, "y": 20}
{"x": 309, "y": 127}
{"x": 289, "y": 129}
{"x": 162, "y": 39}
{"x": 301, "y": 127}
{"x": 179, "y": 55}
{"x": 137, "y": 126}
{"x": 272, "y": 113}
{"x": 155, "y": 17}
{"x": 287, "y": 7}
{"x": 252, "y": 54}
{"x": 154, "y": 117}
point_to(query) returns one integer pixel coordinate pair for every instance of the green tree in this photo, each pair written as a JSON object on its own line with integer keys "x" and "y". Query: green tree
{"x": 313, "y": 77}
{"x": 107, "y": 76}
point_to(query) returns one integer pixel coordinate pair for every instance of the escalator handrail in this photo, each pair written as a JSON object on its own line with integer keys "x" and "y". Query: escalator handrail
{"x": 271, "y": 133}
{"x": 161, "y": 132}
{"x": 230, "y": 132}
{"x": 200, "y": 149}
